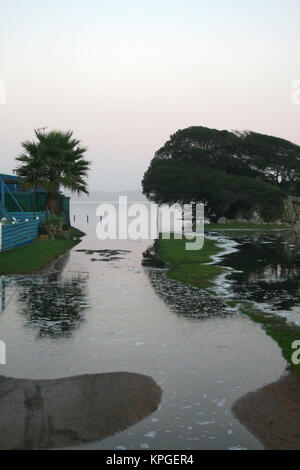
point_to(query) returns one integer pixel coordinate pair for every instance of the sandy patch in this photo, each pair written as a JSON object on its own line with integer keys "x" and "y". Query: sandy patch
{"x": 54, "y": 413}
{"x": 272, "y": 413}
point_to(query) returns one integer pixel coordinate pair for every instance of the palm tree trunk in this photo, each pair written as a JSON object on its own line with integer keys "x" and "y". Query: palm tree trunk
{"x": 51, "y": 203}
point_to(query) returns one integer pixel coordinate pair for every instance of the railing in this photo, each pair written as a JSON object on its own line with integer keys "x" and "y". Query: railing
{"x": 3, "y": 211}
{"x": 17, "y": 234}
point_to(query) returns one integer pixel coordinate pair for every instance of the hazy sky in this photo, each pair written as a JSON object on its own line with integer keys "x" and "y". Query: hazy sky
{"x": 125, "y": 74}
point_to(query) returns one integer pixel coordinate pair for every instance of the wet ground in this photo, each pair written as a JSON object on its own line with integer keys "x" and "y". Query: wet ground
{"x": 100, "y": 311}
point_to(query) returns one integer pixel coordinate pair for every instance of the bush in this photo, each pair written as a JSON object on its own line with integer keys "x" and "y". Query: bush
{"x": 53, "y": 227}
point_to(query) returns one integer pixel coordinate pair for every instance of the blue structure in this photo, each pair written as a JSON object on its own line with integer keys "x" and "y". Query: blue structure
{"x": 22, "y": 210}
{"x": 20, "y": 233}
{"x": 20, "y": 227}
{"x": 12, "y": 181}
{"x": 9, "y": 184}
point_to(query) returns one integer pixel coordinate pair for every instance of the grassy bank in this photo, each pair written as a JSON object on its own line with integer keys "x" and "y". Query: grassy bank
{"x": 189, "y": 266}
{"x": 278, "y": 328}
{"x": 246, "y": 226}
{"x": 35, "y": 256}
{"x": 75, "y": 233}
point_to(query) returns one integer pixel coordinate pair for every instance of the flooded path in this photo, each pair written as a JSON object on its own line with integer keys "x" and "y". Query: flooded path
{"x": 100, "y": 311}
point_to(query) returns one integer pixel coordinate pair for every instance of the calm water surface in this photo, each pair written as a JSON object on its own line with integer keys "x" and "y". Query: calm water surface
{"x": 267, "y": 271}
{"x": 100, "y": 311}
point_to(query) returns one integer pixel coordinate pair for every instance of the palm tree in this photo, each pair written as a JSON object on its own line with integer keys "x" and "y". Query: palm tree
{"x": 54, "y": 160}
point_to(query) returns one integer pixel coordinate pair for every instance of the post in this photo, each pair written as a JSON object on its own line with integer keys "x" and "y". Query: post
{"x": 194, "y": 216}
{"x": 2, "y": 295}
{"x": 2, "y": 194}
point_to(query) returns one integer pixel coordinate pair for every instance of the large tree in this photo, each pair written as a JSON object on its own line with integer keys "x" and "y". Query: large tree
{"x": 275, "y": 160}
{"x": 232, "y": 173}
{"x": 242, "y": 153}
{"x": 223, "y": 194}
{"x": 52, "y": 161}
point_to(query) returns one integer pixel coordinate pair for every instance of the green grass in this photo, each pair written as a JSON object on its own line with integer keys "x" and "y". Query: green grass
{"x": 246, "y": 226}
{"x": 189, "y": 266}
{"x": 33, "y": 257}
{"x": 279, "y": 329}
{"x": 74, "y": 232}
{"x": 232, "y": 303}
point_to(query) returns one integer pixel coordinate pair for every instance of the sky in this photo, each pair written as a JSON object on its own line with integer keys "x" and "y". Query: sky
{"x": 125, "y": 74}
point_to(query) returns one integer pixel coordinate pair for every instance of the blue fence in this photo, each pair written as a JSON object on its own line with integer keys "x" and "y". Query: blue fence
{"x": 29, "y": 215}
{"x": 13, "y": 235}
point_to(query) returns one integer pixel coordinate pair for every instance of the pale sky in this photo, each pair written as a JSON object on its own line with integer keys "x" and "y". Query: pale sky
{"x": 125, "y": 74}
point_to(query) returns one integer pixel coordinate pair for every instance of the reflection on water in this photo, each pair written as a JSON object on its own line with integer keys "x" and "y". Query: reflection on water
{"x": 7, "y": 291}
{"x": 267, "y": 269}
{"x": 105, "y": 255}
{"x": 184, "y": 299}
{"x": 54, "y": 303}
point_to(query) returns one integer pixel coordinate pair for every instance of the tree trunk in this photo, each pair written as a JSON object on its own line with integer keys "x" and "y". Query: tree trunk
{"x": 51, "y": 203}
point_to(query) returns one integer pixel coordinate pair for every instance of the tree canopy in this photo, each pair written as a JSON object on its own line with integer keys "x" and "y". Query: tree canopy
{"x": 230, "y": 172}
{"x": 54, "y": 160}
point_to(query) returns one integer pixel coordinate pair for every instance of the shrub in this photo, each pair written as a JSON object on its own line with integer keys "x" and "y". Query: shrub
{"x": 53, "y": 227}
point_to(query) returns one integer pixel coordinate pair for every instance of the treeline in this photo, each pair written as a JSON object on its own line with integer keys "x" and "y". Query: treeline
{"x": 233, "y": 173}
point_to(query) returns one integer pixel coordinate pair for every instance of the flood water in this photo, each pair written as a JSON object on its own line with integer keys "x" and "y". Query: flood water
{"x": 98, "y": 310}
{"x": 267, "y": 271}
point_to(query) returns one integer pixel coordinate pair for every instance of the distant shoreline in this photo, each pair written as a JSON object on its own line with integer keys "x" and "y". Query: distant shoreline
{"x": 95, "y": 196}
